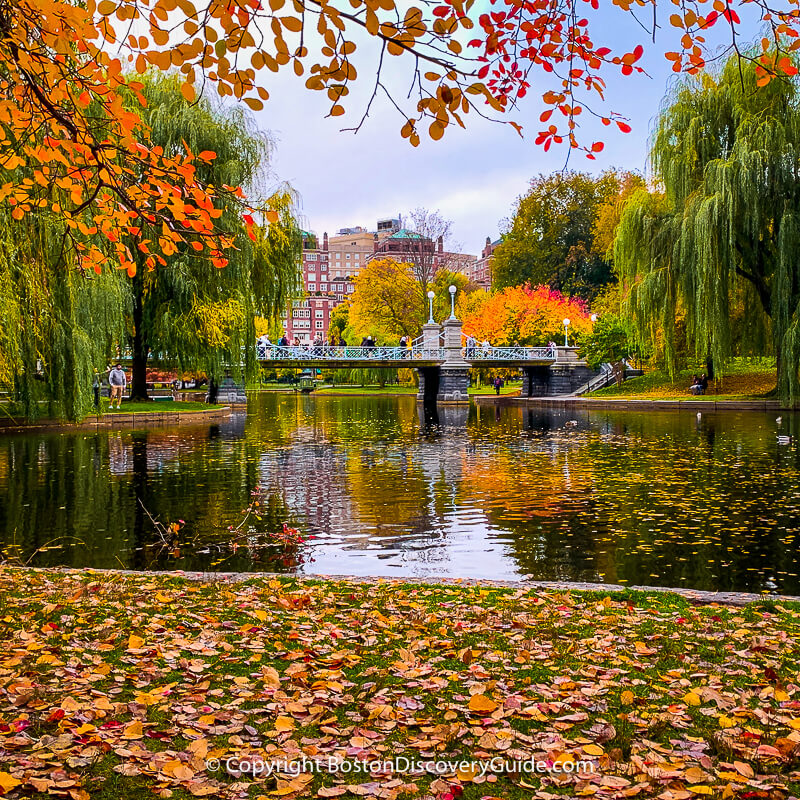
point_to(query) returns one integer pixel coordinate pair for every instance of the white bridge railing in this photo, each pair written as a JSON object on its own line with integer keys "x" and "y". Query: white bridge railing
{"x": 325, "y": 352}
{"x": 478, "y": 353}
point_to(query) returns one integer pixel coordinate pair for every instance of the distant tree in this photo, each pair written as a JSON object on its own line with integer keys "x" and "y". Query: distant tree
{"x": 530, "y": 316}
{"x": 386, "y": 297}
{"x": 721, "y": 243}
{"x": 609, "y": 213}
{"x": 550, "y": 240}
{"x": 607, "y": 342}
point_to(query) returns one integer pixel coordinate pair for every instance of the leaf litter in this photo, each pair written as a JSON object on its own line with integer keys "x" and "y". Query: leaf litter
{"x": 131, "y": 685}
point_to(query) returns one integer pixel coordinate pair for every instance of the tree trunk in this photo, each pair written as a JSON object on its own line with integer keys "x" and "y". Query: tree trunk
{"x": 710, "y": 367}
{"x": 139, "y": 345}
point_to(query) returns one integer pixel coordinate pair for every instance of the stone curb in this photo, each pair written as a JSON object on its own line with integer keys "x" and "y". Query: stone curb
{"x": 649, "y": 405}
{"x": 694, "y": 596}
{"x": 119, "y": 421}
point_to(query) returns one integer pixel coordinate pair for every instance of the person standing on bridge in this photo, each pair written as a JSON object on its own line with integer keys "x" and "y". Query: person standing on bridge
{"x": 470, "y": 346}
{"x": 403, "y": 345}
{"x": 485, "y": 346}
{"x": 284, "y": 340}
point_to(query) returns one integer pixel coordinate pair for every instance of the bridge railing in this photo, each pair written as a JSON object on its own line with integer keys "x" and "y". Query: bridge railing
{"x": 480, "y": 353}
{"x": 326, "y": 352}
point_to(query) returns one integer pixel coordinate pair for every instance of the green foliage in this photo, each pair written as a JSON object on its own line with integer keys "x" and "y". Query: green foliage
{"x": 551, "y": 238}
{"x": 190, "y": 314}
{"x": 608, "y": 342}
{"x": 59, "y": 324}
{"x": 720, "y": 245}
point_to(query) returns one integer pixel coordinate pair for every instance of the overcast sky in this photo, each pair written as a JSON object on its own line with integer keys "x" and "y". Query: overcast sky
{"x": 473, "y": 177}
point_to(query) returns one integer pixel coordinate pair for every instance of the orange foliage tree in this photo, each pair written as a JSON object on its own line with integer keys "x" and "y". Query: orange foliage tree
{"x": 530, "y": 316}
{"x": 71, "y": 147}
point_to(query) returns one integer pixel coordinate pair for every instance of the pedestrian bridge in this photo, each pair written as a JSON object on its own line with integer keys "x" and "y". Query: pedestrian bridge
{"x": 419, "y": 355}
{"x": 443, "y": 358}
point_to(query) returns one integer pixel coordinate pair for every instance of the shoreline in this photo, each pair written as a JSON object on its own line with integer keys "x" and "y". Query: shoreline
{"x": 117, "y": 420}
{"x": 694, "y": 596}
{"x": 641, "y": 404}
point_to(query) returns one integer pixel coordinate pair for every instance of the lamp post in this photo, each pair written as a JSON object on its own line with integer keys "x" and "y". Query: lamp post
{"x": 452, "y": 301}
{"x": 566, "y": 327}
{"x": 431, "y": 295}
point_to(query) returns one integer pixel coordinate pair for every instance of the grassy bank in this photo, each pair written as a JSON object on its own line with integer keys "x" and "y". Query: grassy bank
{"x": 115, "y": 686}
{"x": 744, "y": 379}
{"x": 173, "y": 406}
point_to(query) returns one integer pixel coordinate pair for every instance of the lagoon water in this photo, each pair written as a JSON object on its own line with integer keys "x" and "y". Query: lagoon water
{"x": 385, "y": 489}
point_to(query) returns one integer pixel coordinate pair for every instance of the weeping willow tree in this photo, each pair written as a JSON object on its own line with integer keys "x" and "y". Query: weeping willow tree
{"x": 189, "y": 313}
{"x": 59, "y": 324}
{"x": 719, "y": 244}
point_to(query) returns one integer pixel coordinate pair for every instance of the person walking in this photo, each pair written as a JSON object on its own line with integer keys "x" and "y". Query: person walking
{"x": 498, "y": 384}
{"x": 117, "y": 380}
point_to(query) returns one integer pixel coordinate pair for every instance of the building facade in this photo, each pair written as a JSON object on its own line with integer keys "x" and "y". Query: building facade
{"x": 330, "y": 267}
{"x": 480, "y": 271}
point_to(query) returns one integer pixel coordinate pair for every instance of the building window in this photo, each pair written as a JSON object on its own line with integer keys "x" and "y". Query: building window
{"x": 323, "y": 287}
{"x": 358, "y": 256}
{"x": 338, "y": 256}
{"x": 312, "y": 287}
{"x": 319, "y": 314}
{"x": 323, "y": 268}
{"x": 350, "y": 288}
{"x": 311, "y": 256}
{"x": 312, "y": 276}
{"x": 348, "y": 255}
{"x": 320, "y": 325}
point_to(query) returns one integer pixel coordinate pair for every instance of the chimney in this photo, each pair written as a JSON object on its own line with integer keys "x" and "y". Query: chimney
{"x": 440, "y": 244}
{"x": 325, "y": 240}
{"x": 374, "y": 242}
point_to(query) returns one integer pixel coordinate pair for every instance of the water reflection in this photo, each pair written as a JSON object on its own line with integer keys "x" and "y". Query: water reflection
{"x": 394, "y": 488}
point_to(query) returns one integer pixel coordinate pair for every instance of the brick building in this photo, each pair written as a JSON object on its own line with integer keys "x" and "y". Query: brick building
{"x": 480, "y": 271}
{"x": 329, "y": 269}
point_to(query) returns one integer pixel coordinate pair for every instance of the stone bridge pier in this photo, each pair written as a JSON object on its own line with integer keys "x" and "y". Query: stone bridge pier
{"x": 447, "y": 383}
{"x": 564, "y": 376}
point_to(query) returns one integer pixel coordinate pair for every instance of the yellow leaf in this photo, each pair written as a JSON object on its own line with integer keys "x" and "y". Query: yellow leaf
{"x": 692, "y": 699}
{"x": 8, "y": 782}
{"x": 627, "y": 697}
{"x": 592, "y": 750}
{"x": 700, "y": 789}
{"x": 133, "y": 731}
{"x": 480, "y": 702}
{"x": 284, "y": 724}
{"x": 726, "y": 722}
{"x": 135, "y": 642}
{"x": 163, "y": 598}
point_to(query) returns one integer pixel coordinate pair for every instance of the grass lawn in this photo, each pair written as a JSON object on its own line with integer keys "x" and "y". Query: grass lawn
{"x": 744, "y": 379}
{"x": 182, "y": 406}
{"x": 119, "y": 687}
